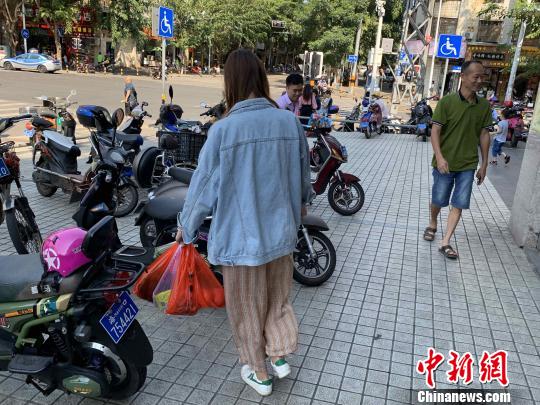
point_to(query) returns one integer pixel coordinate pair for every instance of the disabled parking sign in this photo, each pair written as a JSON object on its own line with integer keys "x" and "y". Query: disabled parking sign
{"x": 165, "y": 22}
{"x": 449, "y": 46}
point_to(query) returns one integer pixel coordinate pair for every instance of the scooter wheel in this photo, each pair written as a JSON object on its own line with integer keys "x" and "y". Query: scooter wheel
{"x": 127, "y": 198}
{"x": 314, "y": 272}
{"x": 346, "y": 199}
{"x": 44, "y": 190}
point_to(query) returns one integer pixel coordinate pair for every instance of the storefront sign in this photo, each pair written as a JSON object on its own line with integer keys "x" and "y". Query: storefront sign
{"x": 488, "y": 55}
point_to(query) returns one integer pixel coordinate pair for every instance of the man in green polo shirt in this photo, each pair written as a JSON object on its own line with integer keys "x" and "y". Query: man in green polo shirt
{"x": 460, "y": 124}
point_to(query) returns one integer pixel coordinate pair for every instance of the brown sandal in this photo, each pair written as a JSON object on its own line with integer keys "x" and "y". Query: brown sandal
{"x": 429, "y": 234}
{"x": 448, "y": 252}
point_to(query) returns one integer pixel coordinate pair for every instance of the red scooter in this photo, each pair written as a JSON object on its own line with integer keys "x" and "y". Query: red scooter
{"x": 345, "y": 195}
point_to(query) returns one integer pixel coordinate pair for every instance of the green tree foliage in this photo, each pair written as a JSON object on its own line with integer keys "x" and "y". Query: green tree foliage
{"x": 315, "y": 25}
{"x": 127, "y": 19}
{"x": 523, "y": 11}
{"x": 58, "y": 13}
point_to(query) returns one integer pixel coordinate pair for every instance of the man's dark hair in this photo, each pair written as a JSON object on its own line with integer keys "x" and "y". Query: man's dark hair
{"x": 294, "y": 79}
{"x": 468, "y": 63}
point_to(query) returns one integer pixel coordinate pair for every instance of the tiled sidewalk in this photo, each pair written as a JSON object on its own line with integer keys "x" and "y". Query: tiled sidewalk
{"x": 361, "y": 333}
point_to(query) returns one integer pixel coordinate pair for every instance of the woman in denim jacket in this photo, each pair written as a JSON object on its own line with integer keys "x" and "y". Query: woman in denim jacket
{"x": 253, "y": 177}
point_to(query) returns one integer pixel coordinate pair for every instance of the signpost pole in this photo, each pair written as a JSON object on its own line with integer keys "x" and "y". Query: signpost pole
{"x": 24, "y": 27}
{"x": 444, "y": 76}
{"x": 435, "y": 47}
{"x": 163, "y": 47}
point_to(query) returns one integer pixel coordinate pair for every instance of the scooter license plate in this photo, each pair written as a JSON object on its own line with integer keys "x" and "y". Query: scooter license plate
{"x": 119, "y": 317}
{"x": 4, "y": 171}
{"x": 422, "y": 126}
{"x": 364, "y": 124}
{"x": 29, "y": 132}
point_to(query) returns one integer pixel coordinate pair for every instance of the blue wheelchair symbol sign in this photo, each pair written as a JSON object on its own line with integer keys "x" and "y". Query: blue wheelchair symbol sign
{"x": 166, "y": 20}
{"x": 449, "y": 46}
{"x": 25, "y": 33}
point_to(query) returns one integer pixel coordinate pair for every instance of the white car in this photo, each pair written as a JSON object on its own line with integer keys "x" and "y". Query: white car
{"x": 32, "y": 61}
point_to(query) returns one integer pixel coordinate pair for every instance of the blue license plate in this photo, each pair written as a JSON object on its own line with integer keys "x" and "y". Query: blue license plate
{"x": 422, "y": 126}
{"x": 364, "y": 124}
{"x": 4, "y": 171}
{"x": 120, "y": 315}
{"x": 29, "y": 132}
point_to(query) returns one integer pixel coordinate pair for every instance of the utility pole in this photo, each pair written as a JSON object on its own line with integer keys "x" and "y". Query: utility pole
{"x": 436, "y": 44}
{"x": 515, "y": 63}
{"x": 375, "y": 69}
{"x": 356, "y": 48}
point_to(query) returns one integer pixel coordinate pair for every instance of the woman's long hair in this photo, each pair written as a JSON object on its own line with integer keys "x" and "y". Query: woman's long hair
{"x": 308, "y": 93}
{"x": 244, "y": 77}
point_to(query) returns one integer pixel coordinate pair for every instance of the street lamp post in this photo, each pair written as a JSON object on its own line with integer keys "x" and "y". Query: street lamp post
{"x": 374, "y": 71}
{"x": 356, "y": 48}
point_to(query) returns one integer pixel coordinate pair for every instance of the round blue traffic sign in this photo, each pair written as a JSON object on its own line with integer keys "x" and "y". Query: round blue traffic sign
{"x": 25, "y": 33}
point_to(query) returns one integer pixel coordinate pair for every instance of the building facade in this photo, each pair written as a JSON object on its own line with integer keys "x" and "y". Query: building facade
{"x": 487, "y": 40}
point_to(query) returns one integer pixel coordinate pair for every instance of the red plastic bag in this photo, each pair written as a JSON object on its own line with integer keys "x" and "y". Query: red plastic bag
{"x": 195, "y": 286}
{"x": 146, "y": 284}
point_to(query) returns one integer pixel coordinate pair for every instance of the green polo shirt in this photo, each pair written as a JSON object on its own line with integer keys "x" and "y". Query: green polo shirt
{"x": 462, "y": 123}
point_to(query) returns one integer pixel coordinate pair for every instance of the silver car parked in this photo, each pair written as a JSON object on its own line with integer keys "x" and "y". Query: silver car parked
{"x": 32, "y": 61}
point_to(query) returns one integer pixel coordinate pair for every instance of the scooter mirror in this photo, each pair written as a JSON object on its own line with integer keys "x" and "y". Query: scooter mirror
{"x": 73, "y": 92}
{"x": 117, "y": 117}
{"x": 203, "y": 104}
{"x": 144, "y": 104}
{"x": 171, "y": 92}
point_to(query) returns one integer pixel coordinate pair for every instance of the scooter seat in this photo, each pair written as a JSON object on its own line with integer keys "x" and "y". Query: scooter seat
{"x": 129, "y": 138}
{"x": 168, "y": 204}
{"x": 20, "y": 274}
{"x": 180, "y": 174}
{"x": 41, "y": 123}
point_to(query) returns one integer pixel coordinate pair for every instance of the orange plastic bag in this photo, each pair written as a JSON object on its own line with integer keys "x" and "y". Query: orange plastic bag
{"x": 195, "y": 286}
{"x": 145, "y": 285}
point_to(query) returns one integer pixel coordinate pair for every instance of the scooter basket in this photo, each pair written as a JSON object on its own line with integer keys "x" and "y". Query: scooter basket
{"x": 181, "y": 147}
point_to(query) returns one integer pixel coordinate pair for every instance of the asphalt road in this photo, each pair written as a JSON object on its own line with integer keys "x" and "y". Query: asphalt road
{"x": 107, "y": 90}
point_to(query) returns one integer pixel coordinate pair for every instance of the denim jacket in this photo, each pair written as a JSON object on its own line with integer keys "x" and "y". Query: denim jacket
{"x": 253, "y": 178}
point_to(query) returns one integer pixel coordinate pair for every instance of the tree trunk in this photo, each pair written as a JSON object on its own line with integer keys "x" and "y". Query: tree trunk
{"x": 57, "y": 43}
{"x": 9, "y": 12}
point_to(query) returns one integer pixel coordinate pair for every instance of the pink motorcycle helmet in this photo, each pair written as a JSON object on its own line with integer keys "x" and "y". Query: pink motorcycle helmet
{"x": 62, "y": 251}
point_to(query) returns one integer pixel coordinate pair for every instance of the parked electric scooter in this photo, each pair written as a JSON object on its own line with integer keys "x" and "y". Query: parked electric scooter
{"x": 421, "y": 114}
{"x": 55, "y": 160}
{"x": 15, "y": 209}
{"x": 314, "y": 257}
{"x": 345, "y": 195}
{"x": 54, "y": 109}
{"x": 179, "y": 143}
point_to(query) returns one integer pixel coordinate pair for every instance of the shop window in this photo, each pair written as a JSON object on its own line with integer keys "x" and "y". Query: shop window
{"x": 489, "y": 31}
{"x": 446, "y": 26}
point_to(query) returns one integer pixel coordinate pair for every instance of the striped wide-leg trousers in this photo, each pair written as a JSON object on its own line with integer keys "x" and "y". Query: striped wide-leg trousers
{"x": 262, "y": 319}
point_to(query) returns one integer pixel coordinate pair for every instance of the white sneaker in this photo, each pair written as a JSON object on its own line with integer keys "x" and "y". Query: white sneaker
{"x": 264, "y": 388}
{"x": 281, "y": 368}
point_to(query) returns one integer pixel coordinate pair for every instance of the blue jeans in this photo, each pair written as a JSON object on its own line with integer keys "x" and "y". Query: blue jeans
{"x": 496, "y": 148}
{"x": 459, "y": 182}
